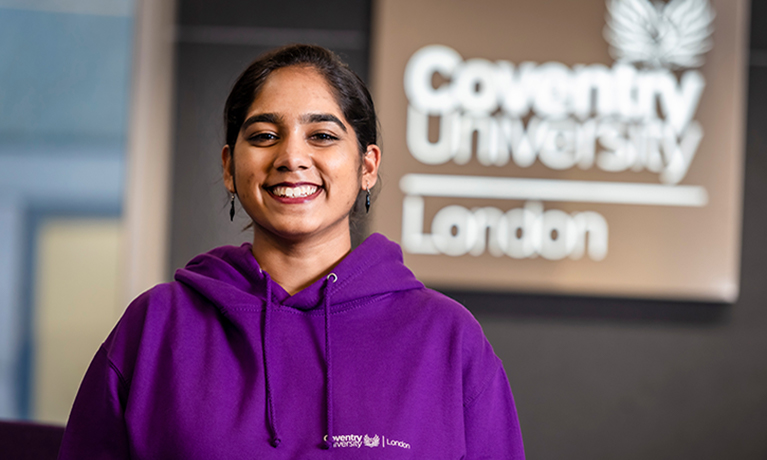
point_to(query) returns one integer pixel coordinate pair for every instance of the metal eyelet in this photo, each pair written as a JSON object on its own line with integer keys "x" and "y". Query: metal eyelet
{"x": 334, "y": 276}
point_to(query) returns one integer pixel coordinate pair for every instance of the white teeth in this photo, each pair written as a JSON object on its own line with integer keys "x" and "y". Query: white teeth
{"x": 295, "y": 192}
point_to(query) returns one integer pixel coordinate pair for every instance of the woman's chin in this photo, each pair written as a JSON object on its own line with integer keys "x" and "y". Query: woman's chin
{"x": 304, "y": 231}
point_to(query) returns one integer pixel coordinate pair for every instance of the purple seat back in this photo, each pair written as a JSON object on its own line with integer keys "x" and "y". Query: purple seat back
{"x": 29, "y": 441}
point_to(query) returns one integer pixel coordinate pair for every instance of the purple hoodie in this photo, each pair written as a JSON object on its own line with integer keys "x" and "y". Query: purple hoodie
{"x": 224, "y": 364}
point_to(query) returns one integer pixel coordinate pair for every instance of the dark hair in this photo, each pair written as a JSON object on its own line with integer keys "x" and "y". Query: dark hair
{"x": 350, "y": 92}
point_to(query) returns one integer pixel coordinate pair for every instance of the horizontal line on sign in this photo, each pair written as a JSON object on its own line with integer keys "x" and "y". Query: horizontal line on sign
{"x": 506, "y": 188}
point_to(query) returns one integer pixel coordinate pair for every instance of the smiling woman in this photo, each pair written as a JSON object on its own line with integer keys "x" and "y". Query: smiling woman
{"x": 296, "y": 342}
{"x": 297, "y": 168}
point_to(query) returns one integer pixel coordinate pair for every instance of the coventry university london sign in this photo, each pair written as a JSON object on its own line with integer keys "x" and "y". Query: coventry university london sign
{"x": 585, "y": 147}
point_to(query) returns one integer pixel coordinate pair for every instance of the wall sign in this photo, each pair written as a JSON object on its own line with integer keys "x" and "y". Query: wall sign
{"x": 578, "y": 147}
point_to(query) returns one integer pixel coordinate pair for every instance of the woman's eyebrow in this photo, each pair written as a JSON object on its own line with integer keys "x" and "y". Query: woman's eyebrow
{"x": 321, "y": 118}
{"x": 261, "y": 118}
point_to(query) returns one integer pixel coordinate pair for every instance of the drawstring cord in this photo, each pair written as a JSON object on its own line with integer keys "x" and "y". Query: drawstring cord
{"x": 275, "y": 441}
{"x": 328, "y": 440}
{"x": 272, "y": 419}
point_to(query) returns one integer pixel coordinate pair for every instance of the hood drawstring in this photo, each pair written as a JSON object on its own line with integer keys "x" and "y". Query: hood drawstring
{"x": 272, "y": 419}
{"x": 328, "y": 440}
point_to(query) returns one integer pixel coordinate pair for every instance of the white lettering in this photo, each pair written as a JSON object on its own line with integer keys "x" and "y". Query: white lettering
{"x": 487, "y": 140}
{"x": 615, "y": 119}
{"x": 418, "y": 78}
{"x": 680, "y": 154}
{"x": 430, "y": 153}
{"x": 634, "y": 93}
{"x": 524, "y": 145}
{"x": 592, "y": 91}
{"x": 618, "y": 154}
{"x": 595, "y": 226}
{"x": 516, "y": 88}
{"x": 488, "y": 228}
{"x": 610, "y": 145}
{"x": 413, "y": 239}
{"x": 553, "y": 91}
{"x": 474, "y": 86}
{"x": 519, "y": 233}
{"x": 558, "y": 149}
{"x": 404, "y": 445}
{"x": 454, "y": 230}
{"x": 347, "y": 440}
{"x": 679, "y": 102}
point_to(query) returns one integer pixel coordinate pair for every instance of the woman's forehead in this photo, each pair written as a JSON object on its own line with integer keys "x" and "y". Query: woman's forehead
{"x": 296, "y": 88}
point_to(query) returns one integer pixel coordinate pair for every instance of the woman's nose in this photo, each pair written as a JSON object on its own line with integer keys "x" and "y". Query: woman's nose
{"x": 293, "y": 154}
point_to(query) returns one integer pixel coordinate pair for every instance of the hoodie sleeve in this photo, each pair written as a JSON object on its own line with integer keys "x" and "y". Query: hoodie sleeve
{"x": 96, "y": 427}
{"x": 491, "y": 423}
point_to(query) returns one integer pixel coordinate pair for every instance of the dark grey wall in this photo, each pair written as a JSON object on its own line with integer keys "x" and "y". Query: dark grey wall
{"x": 593, "y": 378}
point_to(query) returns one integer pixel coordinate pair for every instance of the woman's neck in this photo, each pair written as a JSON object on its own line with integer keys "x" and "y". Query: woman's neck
{"x": 295, "y": 265}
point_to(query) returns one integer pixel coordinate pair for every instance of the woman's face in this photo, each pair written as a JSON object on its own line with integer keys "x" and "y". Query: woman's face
{"x": 296, "y": 161}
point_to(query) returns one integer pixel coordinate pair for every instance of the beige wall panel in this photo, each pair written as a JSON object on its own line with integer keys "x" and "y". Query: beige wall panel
{"x": 76, "y": 296}
{"x": 682, "y": 252}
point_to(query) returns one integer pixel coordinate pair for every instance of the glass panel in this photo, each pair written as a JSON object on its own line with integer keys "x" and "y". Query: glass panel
{"x": 64, "y": 96}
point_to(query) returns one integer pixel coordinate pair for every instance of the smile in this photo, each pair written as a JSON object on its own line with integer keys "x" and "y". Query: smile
{"x": 294, "y": 191}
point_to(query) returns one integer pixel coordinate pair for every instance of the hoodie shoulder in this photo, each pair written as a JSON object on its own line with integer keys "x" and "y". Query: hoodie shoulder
{"x": 145, "y": 323}
{"x": 225, "y": 277}
{"x": 478, "y": 360}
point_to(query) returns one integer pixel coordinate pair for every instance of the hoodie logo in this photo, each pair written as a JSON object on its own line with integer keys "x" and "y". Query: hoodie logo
{"x": 371, "y": 442}
{"x": 356, "y": 440}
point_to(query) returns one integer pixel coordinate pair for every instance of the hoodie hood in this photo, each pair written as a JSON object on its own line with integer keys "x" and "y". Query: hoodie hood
{"x": 230, "y": 277}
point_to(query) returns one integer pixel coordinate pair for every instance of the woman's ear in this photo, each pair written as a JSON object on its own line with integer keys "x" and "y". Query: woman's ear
{"x": 228, "y": 165}
{"x": 370, "y": 163}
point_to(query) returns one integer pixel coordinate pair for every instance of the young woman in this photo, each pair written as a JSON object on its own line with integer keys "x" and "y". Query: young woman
{"x": 296, "y": 346}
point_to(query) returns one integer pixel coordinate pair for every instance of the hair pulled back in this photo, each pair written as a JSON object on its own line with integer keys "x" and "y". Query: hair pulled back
{"x": 350, "y": 93}
{"x": 349, "y": 90}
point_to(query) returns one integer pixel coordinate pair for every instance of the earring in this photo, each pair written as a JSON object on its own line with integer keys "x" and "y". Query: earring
{"x": 367, "y": 199}
{"x": 231, "y": 210}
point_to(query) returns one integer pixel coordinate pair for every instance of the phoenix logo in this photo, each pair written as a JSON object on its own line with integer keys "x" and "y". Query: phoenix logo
{"x": 674, "y": 34}
{"x": 371, "y": 442}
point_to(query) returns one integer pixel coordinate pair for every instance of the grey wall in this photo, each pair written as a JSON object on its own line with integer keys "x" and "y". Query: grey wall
{"x": 593, "y": 378}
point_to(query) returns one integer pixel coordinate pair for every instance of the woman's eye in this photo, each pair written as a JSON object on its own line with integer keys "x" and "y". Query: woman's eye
{"x": 324, "y": 137}
{"x": 262, "y": 137}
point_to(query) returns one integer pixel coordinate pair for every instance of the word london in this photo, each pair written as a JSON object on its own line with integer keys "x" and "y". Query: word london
{"x": 519, "y": 233}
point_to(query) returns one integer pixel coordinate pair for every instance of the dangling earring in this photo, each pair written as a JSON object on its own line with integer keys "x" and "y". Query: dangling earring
{"x": 231, "y": 210}
{"x": 367, "y": 198}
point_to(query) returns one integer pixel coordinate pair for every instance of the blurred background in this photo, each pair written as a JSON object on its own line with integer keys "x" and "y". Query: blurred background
{"x": 110, "y": 137}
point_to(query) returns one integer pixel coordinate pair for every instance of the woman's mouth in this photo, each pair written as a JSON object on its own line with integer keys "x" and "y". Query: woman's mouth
{"x": 294, "y": 193}
{"x": 299, "y": 191}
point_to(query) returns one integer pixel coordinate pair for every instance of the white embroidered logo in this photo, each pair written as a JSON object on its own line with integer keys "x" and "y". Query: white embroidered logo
{"x": 371, "y": 442}
{"x": 347, "y": 440}
{"x": 356, "y": 440}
